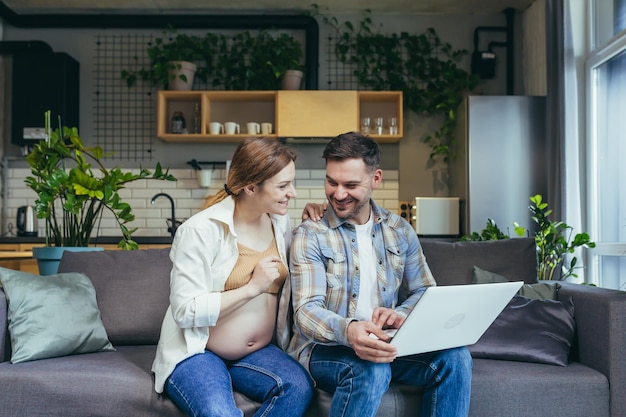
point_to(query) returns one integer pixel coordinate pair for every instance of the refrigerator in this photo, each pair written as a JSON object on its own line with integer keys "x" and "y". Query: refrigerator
{"x": 500, "y": 161}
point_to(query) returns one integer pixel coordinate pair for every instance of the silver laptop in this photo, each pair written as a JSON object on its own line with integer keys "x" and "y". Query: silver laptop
{"x": 452, "y": 316}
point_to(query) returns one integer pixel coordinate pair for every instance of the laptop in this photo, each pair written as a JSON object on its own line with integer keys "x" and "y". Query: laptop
{"x": 451, "y": 316}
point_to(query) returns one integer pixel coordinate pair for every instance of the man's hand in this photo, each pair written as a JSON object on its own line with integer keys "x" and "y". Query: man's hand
{"x": 369, "y": 348}
{"x": 314, "y": 211}
{"x": 387, "y": 318}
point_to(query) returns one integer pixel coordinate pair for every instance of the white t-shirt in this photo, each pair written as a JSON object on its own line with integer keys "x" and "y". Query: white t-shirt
{"x": 368, "y": 289}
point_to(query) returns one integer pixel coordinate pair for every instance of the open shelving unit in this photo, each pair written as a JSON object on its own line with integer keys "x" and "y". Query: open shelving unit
{"x": 301, "y": 113}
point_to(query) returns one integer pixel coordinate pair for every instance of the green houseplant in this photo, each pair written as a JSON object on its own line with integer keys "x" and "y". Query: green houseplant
{"x": 255, "y": 61}
{"x": 554, "y": 241}
{"x": 71, "y": 197}
{"x": 166, "y": 55}
{"x": 422, "y": 66}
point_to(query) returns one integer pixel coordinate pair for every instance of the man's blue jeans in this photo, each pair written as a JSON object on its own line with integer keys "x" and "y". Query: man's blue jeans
{"x": 359, "y": 385}
{"x": 203, "y": 384}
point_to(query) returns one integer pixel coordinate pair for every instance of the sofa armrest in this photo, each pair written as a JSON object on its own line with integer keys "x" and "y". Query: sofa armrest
{"x": 5, "y": 348}
{"x": 600, "y": 316}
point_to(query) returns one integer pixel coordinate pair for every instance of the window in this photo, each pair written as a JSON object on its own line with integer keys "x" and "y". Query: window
{"x": 607, "y": 145}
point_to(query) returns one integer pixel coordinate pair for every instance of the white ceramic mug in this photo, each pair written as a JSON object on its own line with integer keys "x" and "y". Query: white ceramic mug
{"x": 266, "y": 128}
{"x": 253, "y": 128}
{"x": 204, "y": 177}
{"x": 230, "y": 128}
{"x": 215, "y": 128}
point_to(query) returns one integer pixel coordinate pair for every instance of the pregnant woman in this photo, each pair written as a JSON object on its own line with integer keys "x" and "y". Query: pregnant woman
{"x": 229, "y": 266}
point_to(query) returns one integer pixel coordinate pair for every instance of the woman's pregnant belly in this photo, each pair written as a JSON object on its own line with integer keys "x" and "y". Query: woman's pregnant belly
{"x": 246, "y": 330}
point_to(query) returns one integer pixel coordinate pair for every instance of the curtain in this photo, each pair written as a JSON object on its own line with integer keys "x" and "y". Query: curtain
{"x": 566, "y": 176}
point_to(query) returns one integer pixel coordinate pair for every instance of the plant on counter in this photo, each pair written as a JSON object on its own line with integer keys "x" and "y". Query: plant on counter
{"x": 166, "y": 53}
{"x": 423, "y": 67}
{"x": 71, "y": 197}
{"x": 552, "y": 238}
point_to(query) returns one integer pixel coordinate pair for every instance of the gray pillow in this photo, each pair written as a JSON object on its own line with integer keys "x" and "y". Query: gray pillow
{"x": 528, "y": 330}
{"x": 132, "y": 288}
{"x": 452, "y": 262}
{"x": 52, "y": 316}
{"x": 538, "y": 291}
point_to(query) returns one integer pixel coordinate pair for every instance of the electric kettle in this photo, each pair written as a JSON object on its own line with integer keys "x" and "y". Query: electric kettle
{"x": 26, "y": 222}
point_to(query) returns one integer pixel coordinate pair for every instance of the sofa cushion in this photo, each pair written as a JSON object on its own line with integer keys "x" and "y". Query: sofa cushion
{"x": 453, "y": 262}
{"x": 132, "y": 288}
{"x": 528, "y": 330}
{"x": 52, "y": 316}
{"x": 95, "y": 384}
{"x": 520, "y": 389}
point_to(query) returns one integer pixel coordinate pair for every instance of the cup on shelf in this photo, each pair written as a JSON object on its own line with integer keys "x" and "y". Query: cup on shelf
{"x": 253, "y": 128}
{"x": 231, "y": 128}
{"x": 366, "y": 125}
{"x": 378, "y": 125}
{"x": 216, "y": 128}
{"x": 266, "y": 128}
{"x": 393, "y": 125}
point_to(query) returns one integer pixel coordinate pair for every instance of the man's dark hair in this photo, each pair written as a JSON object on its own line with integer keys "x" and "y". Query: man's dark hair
{"x": 353, "y": 145}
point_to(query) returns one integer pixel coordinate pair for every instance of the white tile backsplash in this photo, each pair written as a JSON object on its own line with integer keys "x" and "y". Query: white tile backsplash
{"x": 188, "y": 198}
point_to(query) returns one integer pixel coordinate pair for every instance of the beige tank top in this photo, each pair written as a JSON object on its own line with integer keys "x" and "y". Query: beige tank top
{"x": 247, "y": 260}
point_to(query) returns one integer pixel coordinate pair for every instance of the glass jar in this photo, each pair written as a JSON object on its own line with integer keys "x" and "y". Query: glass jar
{"x": 178, "y": 123}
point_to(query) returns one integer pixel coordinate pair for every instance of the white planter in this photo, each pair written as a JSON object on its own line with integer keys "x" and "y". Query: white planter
{"x": 188, "y": 69}
{"x": 292, "y": 80}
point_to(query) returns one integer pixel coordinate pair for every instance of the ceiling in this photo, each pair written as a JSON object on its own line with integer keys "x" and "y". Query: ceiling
{"x": 25, "y": 7}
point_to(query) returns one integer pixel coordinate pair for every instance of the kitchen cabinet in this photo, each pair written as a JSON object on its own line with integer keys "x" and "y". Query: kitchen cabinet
{"x": 26, "y": 264}
{"x": 30, "y": 265}
{"x": 293, "y": 114}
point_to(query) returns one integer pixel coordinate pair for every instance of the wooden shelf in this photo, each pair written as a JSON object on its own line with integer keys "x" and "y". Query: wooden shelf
{"x": 293, "y": 114}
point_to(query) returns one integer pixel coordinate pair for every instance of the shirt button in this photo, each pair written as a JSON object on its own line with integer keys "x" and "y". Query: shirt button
{"x": 353, "y": 295}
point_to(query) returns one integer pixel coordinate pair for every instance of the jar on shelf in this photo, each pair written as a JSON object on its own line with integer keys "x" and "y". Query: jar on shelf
{"x": 178, "y": 123}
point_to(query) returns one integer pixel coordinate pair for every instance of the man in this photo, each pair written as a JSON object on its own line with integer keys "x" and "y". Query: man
{"x": 357, "y": 271}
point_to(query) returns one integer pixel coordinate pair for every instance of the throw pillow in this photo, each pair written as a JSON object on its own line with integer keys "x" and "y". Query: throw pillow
{"x": 528, "y": 330}
{"x": 539, "y": 291}
{"x": 52, "y": 316}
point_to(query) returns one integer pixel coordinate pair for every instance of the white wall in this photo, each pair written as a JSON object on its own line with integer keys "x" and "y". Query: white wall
{"x": 189, "y": 198}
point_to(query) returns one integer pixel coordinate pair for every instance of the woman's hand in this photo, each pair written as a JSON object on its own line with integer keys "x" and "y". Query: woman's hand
{"x": 265, "y": 273}
{"x": 314, "y": 211}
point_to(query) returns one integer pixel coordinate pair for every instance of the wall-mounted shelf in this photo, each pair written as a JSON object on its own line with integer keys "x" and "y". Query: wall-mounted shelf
{"x": 292, "y": 114}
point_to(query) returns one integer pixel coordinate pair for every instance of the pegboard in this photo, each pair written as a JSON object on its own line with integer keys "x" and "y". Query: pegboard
{"x": 124, "y": 118}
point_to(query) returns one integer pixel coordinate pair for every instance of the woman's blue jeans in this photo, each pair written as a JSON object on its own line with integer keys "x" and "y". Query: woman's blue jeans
{"x": 358, "y": 385}
{"x": 203, "y": 384}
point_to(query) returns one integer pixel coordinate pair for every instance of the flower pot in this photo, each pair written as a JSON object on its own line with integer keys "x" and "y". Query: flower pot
{"x": 292, "y": 80}
{"x": 49, "y": 257}
{"x": 187, "y": 69}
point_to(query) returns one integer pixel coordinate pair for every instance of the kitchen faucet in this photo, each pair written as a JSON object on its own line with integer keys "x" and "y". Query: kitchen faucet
{"x": 174, "y": 225}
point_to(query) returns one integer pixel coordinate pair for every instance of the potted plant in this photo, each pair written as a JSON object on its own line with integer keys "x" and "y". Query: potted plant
{"x": 174, "y": 60}
{"x": 553, "y": 239}
{"x": 71, "y": 197}
{"x": 256, "y": 61}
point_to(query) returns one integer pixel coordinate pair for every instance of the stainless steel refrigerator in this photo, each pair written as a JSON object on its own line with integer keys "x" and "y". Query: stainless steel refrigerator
{"x": 501, "y": 160}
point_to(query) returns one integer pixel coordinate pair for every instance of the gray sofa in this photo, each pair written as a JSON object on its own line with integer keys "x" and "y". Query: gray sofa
{"x": 132, "y": 293}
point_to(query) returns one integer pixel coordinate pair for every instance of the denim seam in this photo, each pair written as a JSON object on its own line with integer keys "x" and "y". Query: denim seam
{"x": 183, "y": 396}
{"x": 276, "y": 378}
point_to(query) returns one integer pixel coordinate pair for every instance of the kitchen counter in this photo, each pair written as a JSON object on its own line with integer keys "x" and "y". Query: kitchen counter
{"x": 104, "y": 240}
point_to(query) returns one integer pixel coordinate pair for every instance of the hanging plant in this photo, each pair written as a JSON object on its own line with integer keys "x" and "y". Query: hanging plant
{"x": 422, "y": 66}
